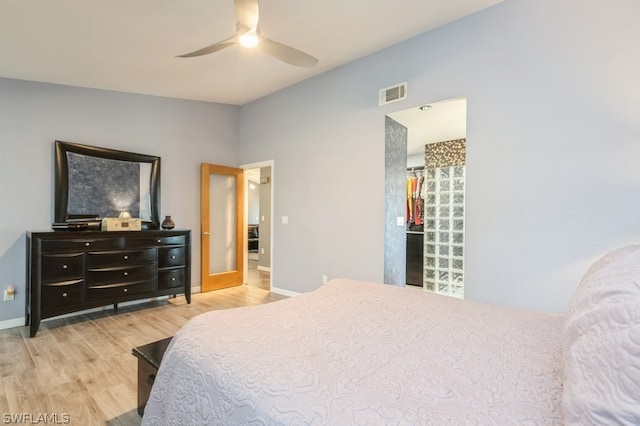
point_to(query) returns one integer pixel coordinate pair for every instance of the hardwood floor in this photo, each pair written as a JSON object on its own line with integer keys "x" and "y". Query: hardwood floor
{"x": 81, "y": 370}
{"x": 256, "y": 278}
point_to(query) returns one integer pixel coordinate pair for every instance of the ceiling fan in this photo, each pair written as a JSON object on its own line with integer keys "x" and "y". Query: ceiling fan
{"x": 248, "y": 34}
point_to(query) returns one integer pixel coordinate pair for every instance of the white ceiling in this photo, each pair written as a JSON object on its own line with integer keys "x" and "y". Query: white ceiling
{"x": 130, "y": 45}
{"x": 439, "y": 121}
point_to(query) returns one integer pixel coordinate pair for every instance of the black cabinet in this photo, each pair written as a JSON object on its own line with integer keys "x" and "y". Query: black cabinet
{"x": 149, "y": 359}
{"x": 253, "y": 238}
{"x": 415, "y": 258}
{"x": 72, "y": 271}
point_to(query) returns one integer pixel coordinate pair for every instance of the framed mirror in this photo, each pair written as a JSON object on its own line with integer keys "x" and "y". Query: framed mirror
{"x": 92, "y": 183}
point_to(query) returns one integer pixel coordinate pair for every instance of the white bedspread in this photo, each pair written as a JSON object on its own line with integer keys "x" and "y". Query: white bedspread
{"x": 362, "y": 353}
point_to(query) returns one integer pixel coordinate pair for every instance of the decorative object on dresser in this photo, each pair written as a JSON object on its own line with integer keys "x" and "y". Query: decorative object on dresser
{"x": 73, "y": 271}
{"x": 118, "y": 224}
{"x": 168, "y": 223}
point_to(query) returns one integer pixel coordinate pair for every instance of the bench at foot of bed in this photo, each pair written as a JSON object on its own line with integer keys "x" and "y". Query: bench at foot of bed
{"x": 149, "y": 358}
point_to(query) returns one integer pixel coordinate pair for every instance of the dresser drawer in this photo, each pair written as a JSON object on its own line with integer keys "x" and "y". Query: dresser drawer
{"x": 173, "y": 256}
{"x": 121, "y": 258}
{"x": 86, "y": 243}
{"x": 171, "y": 278}
{"x": 109, "y": 292}
{"x": 62, "y": 294}
{"x": 142, "y": 241}
{"x": 58, "y": 267}
{"x": 119, "y": 274}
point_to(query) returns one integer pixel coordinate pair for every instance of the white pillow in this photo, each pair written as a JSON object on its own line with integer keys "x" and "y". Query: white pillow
{"x": 602, "y": 343}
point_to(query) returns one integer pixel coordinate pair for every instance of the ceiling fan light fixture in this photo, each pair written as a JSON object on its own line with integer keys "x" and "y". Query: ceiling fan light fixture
{"x": 249, "y": 39}
{"x": 248, "y": 35}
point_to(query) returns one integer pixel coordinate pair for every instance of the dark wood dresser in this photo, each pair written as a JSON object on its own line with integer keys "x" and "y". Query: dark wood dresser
{"x": 70, "y": 271}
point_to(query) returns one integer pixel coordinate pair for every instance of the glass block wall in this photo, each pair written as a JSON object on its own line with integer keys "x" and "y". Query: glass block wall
{"x": 444, "y": 218}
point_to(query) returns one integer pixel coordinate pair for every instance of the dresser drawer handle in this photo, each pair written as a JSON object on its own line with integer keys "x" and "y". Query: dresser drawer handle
{"x": 159, "y": 241}
{"x": 125, "y": 290}
{"x": 173, "y": 278}
{"x": 125, "y": 273}
{"x": 64, "y": 294}
{"x": 126, "y": 257}
{"x": 87, "y": 244}
{"x": 64, "y": 266}
{"x": 173, "y": 257}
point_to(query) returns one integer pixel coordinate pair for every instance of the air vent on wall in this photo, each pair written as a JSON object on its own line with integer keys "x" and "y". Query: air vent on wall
{"x": 393, "y": 94}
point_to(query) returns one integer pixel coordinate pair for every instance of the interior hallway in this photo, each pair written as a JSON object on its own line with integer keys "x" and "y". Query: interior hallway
{"x": 256, "y": 278}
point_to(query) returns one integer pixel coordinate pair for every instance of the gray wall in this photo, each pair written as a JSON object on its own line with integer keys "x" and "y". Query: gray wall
{"x": 33, "y": 115}
{"x": 395, "y": 204}
{"x": 552, "y": 149}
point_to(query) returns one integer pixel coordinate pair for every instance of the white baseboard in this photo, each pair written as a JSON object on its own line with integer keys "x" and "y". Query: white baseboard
{"x": 16, "y": 322}
{"x": 284, "y": 292}
{"x": 196, "y": 289}
{"x": 264, "y": 269}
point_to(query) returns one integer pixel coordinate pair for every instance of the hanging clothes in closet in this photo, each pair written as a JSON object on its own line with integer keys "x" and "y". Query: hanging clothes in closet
{"x": 415, "y": 198}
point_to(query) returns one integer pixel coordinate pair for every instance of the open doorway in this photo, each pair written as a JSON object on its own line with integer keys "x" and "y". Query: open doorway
{"x": 425, "y": 178}
{"x": 258, "y": 193}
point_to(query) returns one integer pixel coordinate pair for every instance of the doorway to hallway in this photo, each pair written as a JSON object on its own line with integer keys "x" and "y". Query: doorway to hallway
{"x": 258, "y": 191}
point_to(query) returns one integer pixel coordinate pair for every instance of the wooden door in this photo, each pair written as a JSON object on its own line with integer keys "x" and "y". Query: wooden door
{"x": 222, "y": 226}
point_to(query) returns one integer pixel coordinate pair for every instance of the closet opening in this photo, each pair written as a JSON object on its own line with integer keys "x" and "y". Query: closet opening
{"x": 434, "y": 202}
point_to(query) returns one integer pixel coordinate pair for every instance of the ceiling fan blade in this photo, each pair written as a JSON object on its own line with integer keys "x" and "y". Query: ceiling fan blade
{"x": 248, "y": 14}
{"x": 212, "y": 48}
{"x": 287, "y": 53}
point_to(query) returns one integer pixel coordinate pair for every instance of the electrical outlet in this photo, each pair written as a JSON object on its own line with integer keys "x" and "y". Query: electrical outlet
{"x": 324, "y": 279}
{"x": 9, "y": 293}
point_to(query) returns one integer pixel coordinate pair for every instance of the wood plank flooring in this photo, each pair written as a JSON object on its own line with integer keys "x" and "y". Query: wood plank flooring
{"x": 256, "y": 278}
{"x": 81, "y": 369}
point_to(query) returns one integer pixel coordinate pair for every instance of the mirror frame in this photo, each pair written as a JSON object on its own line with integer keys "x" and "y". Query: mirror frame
{"x": 61, "y": 181}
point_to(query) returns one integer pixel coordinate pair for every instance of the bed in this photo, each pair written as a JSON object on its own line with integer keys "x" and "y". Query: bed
{"x": 366, "y": 353}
